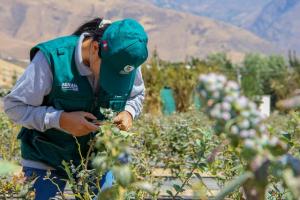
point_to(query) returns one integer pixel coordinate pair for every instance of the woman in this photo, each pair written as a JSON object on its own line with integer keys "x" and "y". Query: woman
{"x": 61, "y": 91}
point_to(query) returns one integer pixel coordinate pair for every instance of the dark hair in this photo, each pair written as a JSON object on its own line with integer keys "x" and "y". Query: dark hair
{"x": 92, "y": 27}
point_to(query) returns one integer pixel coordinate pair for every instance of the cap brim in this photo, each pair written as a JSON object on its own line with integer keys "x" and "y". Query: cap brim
{"x": 113, "y": 82}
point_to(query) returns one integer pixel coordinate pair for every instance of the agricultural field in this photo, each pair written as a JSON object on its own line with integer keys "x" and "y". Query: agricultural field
{"x": 221, "y": 149}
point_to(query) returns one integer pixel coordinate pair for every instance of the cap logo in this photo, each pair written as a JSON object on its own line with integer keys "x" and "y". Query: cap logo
{"x": 104, "y": 45}
{"x": 127, "y": 69}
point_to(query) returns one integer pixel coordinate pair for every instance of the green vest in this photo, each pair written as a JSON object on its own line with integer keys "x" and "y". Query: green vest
{"x": 70, "y": 92}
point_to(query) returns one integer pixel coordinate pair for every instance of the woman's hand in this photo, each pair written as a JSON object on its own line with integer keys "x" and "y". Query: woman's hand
{"x": 76, "y": 123}
{"x": 123, "y": 120}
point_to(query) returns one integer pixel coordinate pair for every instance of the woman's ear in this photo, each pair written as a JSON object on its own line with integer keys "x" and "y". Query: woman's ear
{"x": 95, "y": 47}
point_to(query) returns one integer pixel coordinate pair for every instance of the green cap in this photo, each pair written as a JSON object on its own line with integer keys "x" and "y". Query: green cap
{"x": 123, "y": 50}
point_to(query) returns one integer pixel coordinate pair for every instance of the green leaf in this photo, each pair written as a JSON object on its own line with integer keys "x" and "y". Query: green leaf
{"x": 7, "y": 168}
{"x": 178, "y": 188}
{"x": 105, "y": 128}
{"x": 145, "y": 186}
{"x": 170, "y": 193}
{"x": 99, "y": 162}
{"x": 233, "y": 185}
{"x": 126, "y": 134}
{"x": 198, "y": 176}
{"x": 109, "y": 193}
{"x": 123, "y": 175}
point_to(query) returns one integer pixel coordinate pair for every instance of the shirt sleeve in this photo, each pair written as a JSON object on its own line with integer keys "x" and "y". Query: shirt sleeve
{"x": 134, "y": 104}
{"x": 23, "y": 103}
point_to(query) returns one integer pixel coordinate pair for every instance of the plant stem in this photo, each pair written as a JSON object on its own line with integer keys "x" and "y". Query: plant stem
{"x": 58, "y": 188}
{"x": 93, "y": 142}
{"x": 187, "y": 179}
{"x": 79, "y": 151}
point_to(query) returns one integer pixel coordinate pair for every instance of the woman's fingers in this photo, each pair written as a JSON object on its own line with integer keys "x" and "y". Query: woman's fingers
{"x": 118, "y": 119}
{"x": 91, "y": 126}
{"x": 89, "y": 115}
{"x": 77, "y": 124}
{"x": 123, "y": 120}
{"x": 122, "y": 127}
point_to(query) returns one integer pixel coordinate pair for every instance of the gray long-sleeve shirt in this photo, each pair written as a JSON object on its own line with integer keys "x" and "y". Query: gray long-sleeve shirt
{"x": 23, "y": 104}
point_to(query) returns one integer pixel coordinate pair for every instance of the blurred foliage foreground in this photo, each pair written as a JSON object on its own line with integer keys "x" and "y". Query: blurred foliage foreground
{"x": 187, "y": 144}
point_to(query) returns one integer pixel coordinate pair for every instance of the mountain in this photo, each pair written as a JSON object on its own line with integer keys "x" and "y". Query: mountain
{"x": 173, "y": 33}
{"x": 237, "y": 12}
{"x": 279, "y": 22}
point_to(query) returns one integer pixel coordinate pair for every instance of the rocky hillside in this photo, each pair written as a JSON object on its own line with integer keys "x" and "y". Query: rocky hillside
{"x": 173, "y": 33}
{"x": 237, "y": 12}
{"x": 9, "y": 73}
{"x": 279, "y": 22}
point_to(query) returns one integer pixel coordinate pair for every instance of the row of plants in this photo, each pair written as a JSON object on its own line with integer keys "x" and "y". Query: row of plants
{"x": 257, "y": 74}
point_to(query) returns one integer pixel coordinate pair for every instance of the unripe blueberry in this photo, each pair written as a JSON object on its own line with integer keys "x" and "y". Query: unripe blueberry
{"x": 226, "y": 116}
{"x": 245, "y": 113}
{"x": 244, "y": 134}
{"x": 221, "y": 78}
{"x": 242, "y": 102}
{"x": 252, "y": 133}
{"x": 234, "y": 130}
{"x": 203, "y": 94}
{"x": 232, "y": 85}
{"x": 245, "y": 124}
{"x": 226, "y": 106}
{"x": 216, "y": 94}
{"x": 249, "y": 143}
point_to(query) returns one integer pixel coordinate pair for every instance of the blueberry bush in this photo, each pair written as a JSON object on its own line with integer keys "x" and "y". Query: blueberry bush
{"x": 264, "y": 156}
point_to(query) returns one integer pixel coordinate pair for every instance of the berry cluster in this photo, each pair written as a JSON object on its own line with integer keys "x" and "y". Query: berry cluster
{"x": 108, "y": 113}
{"x": 234, "y": 113}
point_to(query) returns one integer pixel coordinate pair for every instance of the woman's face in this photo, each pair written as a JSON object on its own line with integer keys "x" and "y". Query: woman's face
{"x": 94, "y": 59}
